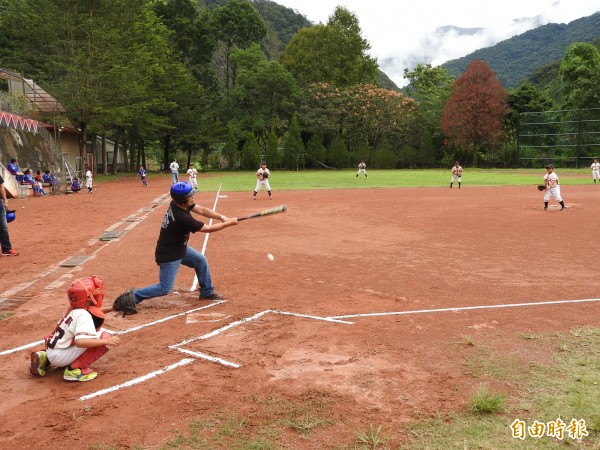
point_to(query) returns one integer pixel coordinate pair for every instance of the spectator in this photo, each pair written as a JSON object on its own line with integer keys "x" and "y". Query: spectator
{"x": 75, "y": 186}
{"x": 27, "y": 178}
{"x": 13, "y": 168}
{"x": 38, "y": 176}
{"x": 174, "y": 171}
{"x": 4, "y": 238}
{"x": 47, "y": 178}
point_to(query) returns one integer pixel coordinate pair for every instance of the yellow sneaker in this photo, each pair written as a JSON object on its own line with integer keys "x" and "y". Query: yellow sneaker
{"x": 79, "y": 374}
{"x": 39, "y": 363}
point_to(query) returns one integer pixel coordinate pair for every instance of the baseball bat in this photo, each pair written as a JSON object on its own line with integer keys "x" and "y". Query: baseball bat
{"x": 266, "y": 212}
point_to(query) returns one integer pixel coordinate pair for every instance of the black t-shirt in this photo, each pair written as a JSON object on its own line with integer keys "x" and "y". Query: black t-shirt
{"x": 174, "y": 233}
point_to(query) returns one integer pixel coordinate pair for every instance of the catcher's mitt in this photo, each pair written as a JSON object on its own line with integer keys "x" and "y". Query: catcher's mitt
{"x": 541, "y": 187}
{"x": 265, "y": 175}
{"x": 125, "y": 303}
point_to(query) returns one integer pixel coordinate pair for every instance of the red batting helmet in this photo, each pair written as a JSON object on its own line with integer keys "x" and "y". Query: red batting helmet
{"x": 86, "y": 288}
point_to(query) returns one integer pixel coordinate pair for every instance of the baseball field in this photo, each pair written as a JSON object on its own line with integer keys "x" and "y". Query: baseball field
{"x": 396, "y": 313}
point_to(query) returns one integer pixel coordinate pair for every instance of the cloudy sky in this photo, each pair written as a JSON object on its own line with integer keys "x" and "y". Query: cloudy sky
{"x": 403, "y": 34}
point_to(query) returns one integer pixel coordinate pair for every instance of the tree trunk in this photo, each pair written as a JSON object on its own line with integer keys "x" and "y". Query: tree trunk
{"x": 166, "y": 152}
{"x": 115, "y": 160}
{"x": 104, "y": 156}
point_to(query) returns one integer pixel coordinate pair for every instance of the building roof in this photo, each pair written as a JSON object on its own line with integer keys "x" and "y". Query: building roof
{"x": 36, "y": 95}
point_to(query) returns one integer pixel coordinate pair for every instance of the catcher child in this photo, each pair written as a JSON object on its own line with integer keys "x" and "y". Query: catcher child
{"x": 262, "y": 179}
{"x": 78, "y": 339}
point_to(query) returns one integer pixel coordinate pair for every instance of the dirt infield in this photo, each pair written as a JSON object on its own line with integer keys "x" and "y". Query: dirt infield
{"x": 328, "y": 319}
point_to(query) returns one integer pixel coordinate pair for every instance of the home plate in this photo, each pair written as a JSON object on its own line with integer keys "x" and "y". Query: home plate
{"x": 206, "y": 318}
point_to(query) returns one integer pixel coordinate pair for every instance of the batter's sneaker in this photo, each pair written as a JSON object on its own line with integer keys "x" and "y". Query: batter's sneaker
{"x": 86, "y": 374}
{"x": 9, "y": 253}
{"x": 213, "y": 296}
{"x": 39, "y": 363}
{"x": 564, "y": 208}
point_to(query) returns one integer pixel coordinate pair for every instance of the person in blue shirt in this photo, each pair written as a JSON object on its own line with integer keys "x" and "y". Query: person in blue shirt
{"x": 75, "y": 186}
{"x": 13, "y": 168}
{"x": 27, "y": 178}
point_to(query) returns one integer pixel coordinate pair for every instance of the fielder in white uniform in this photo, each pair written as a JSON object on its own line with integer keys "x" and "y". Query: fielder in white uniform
{"x": 193, "y": 174}
{"x": 362, "y": 167}
{"x": 88, "y": 180}
{"x": 552, "y": 188}
{"x": 457, "y": 171}
{"x": 595, "y": 170}
{"x": 262, "y": 179}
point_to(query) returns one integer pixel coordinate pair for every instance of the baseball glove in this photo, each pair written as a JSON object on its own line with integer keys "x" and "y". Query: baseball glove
{"x": 125, "y": 303}
{"x": 541, "y": 187}
{"x": 265, "y": 175}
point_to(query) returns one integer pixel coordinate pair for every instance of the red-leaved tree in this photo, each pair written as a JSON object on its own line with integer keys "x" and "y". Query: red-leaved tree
{"x": 472, "y": 117}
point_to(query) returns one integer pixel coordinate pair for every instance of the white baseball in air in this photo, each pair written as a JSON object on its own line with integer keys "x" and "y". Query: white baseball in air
{"x": 270, "y": 257}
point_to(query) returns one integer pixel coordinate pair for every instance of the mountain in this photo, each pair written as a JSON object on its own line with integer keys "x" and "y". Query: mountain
{"x": 515, "y": 59}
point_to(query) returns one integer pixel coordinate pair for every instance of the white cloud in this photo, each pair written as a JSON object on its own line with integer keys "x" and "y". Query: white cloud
{"x": 402, "y": 35}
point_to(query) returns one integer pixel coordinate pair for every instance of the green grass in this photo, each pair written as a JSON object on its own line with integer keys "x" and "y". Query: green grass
{"x": 485, "y": 401}
{"x": 240, "y": 181}
{"x": 345, "y": 179}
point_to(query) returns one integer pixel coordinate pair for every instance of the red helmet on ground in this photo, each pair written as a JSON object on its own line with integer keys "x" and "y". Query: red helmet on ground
{"x": 81, "y": 290}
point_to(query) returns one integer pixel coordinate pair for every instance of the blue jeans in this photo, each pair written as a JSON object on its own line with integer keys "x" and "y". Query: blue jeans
{"x": 175, "y": 176}
{"x": 168, "y": 273}
{"x": 4, "y": 239}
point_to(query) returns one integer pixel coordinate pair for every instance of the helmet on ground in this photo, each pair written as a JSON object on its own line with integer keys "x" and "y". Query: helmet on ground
{"x": 182, "y": 190}
{"x": 10, "y": 216}
{"x": 81, "y": 290}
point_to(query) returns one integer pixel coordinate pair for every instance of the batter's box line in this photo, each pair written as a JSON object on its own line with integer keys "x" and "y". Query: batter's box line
{"x": 467, "y": 308}
{"x": 129, "y": 330}
{"x": 199, "y": 355}
{"x": 251, "y": 318}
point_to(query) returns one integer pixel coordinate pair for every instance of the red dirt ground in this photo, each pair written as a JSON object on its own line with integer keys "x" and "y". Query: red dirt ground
{"x": 337, "y": 253}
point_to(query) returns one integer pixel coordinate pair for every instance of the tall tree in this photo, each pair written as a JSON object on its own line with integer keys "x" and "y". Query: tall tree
{"x": 238, "y": 24}
{"x": 335, "y": 53}
{"x": 580, "y": 76}
{"x": 472, "y": 117}
{"x": 431, "y": 87}
{"x": 264, "y": 93}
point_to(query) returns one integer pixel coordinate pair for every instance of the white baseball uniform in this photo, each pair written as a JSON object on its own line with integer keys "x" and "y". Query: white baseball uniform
{"x": 362, "y": 167}
{"x": 552, "y": 187}
{"x": 193, "y": 173}
{"x": 595, "y": 171}
{"x": 60, "y": 345}
{"x": 264, "y": 182}
{"x": 88, "y": 180}
{"x": 456, "y": 173}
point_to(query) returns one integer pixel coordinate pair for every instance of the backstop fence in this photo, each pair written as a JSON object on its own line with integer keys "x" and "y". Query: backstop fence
{"x": 568, "y": 138}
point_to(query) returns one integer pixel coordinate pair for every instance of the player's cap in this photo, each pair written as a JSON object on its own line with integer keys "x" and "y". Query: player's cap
{"x": 264, "y": 163}
{"x": 182, "y": 189}
{"x": 549, "y": 166}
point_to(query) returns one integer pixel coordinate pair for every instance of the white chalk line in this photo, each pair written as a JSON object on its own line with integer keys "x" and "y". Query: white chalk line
{"x": 129, "y": 330}
{"x": 209, "y": 358}
{"x": 467, "y": 308}
{"x": 200, "y": 355}
{"x": 203, "y": 251}
{"x": 138, "y": 380}
{"x": 52, "y": 269}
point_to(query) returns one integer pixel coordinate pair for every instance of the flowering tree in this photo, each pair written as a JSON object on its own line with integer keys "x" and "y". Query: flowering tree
{"x": 365, "y": 115}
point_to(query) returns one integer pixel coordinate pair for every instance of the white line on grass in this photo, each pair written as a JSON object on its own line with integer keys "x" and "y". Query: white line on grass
{"x": 138, "y": 380}
{"x": 467, "y": 308}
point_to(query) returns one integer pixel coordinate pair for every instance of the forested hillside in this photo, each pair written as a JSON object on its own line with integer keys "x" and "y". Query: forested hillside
{"x": 514, "y": 60}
